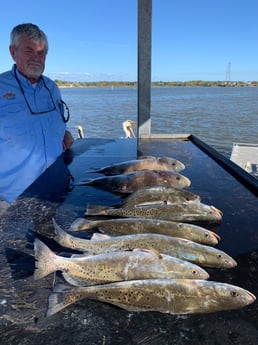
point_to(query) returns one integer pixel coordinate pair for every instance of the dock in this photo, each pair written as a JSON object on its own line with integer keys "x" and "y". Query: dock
{"x": 55, "y": 194}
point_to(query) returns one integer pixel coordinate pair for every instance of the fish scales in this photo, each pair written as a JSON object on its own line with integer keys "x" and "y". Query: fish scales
{"x": 126, "y": 226}
{"x": 111, "y": 267}
{"x": 130, "y": 182}
{"x": 150, "y": 163}
{"x": 172, "y": 296}
{"x": 159, "y": 194}
{"x": 178, "y": 247}
{"x": 185, "y": 212}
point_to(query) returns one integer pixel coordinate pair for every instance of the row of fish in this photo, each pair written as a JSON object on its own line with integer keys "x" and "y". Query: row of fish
{"x": 139, "y": 279}
{"x": 156, "y": 259}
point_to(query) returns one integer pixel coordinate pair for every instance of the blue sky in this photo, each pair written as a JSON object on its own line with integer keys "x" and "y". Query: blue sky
{"x": 93, "y": 40}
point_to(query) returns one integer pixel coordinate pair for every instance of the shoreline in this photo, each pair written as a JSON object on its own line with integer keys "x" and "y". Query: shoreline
{"x": 194, "y": 83}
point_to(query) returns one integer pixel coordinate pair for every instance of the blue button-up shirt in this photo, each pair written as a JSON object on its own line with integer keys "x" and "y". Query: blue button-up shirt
{"x": 29, "y": 143}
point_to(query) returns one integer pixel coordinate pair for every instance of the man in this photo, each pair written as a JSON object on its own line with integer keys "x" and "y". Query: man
{"x": 32, "y": 120}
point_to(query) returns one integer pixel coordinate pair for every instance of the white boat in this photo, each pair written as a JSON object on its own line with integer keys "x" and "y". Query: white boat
{"x": 245, "y": 155}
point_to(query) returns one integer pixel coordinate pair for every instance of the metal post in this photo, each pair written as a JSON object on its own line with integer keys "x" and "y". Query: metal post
{"x": 144, "y": 67}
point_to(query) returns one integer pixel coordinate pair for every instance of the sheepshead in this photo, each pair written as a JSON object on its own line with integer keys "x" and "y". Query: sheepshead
{"x": 113, "y": 266}
{"x": 180, "y": 248}
{"x": 151, "y": 163}
{"x": 159, "y": 195}
{"x": 171, "y": 296}
{"x": 126, "y": 226}
{"x": 185, "y": 212}
{"x": 128, "y": 183}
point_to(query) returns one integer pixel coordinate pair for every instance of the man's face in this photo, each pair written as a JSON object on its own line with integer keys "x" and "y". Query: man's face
{"x": 30, "y": 58}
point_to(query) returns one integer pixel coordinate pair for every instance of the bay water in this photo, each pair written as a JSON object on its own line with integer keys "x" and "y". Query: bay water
{"x": 219, "y": 116}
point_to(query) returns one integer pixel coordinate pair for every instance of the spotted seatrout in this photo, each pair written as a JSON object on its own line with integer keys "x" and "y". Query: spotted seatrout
{"x": 128, "y": 183}
{"x": 150, "y": 163}
{"x": 112, "y": 267}
{"x": 126, "y": 226}
{"x": 185, "y": 212}
{"x": 159, "y": 195}
{"x": 172, "y": 296}
{"x": 178, "y": 247}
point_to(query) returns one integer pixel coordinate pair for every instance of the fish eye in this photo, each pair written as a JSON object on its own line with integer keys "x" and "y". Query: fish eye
{"x": 219, "y": 256}
{"x": 178, "y": 178}
{"x": 206, "y": 234}
{"x": 194, "y": 272}
{"x": 234, "y": 294}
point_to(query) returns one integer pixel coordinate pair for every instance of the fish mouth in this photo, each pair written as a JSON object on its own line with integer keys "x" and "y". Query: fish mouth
{"x": 231, "y": 263}
{"x": 251, "y": 298}
{"x": 187, "y": 182}
{"x": 216, "y": 236}
{"x": 217, "y": 211}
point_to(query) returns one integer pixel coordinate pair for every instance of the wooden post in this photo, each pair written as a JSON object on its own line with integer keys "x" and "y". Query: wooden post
{"x": 144, "y": 68}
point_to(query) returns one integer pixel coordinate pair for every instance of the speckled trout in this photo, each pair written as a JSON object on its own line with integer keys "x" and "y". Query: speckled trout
{"x": 113, "y": 267}
{"x": 129, "y": 183}
{"x": 126, "y": 226}
{"x": 178, "y": 247}
{"x": 171, "y": 296}
{"x": 185, "y": 212}
{"x": 159, "y": 195}
{"x": 150, "y": 163}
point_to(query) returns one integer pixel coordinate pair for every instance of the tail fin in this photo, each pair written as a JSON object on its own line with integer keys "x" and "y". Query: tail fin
{"x": 81, "y": 224}
{"x": 45, "y": 263}
{"x": 60, "y": 236}
{"x": 95, "y": 210}
{"x": 58, "y": 299}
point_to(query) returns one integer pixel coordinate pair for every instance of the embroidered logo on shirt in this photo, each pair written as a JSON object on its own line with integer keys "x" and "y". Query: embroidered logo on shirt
{"x": 9, "y": 95}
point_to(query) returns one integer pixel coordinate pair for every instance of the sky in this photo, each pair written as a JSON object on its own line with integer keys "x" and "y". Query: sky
{"x": 94, "y": 40}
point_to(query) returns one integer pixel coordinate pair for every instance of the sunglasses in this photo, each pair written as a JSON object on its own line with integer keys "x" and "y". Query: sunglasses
{"x": 61, "y": 102}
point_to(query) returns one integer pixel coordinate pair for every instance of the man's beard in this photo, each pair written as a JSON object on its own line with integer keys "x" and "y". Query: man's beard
{"x": 34, "y": 71}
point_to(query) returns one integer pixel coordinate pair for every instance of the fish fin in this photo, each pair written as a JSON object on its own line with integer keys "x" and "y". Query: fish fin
{"x": 92, "y": 210}
{"x": 75, "y": 281}
{"x": 80, "y": 224}
{"x": 87, "y": 182}
{"x": 60, "y": 236}
{"x": 57, "y": 299}
{"x": 99, "y": 237}
{"x": 44, "y": 260}
{"x": 79, "y": 255}
{"x": 153, "y": 251}
{"x": 94, "y": 170}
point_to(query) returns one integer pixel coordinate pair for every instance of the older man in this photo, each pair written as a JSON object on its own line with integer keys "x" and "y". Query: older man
{"x": 32, "y": 115}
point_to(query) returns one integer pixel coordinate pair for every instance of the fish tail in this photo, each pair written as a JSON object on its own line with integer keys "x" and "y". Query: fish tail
{"x": 81, "y": 224}
{"x": 94, "y": 210}
{"x": 57, "y": 299}
{"x": 61, "y": 297}
{"x": 60, "y": 236}
{"x": 45, "y": 260}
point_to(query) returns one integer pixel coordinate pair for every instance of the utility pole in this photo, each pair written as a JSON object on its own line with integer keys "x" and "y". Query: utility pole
{"x": 144, "y": 67}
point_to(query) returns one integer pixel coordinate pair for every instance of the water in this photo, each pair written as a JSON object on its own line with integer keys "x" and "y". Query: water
{"x": 217, "y": 115}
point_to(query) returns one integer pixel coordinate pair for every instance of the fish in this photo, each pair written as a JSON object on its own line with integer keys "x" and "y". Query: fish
{"x": 128, "y": 183}
{"x": 126, "y": 226}
{"x": 184, "y": 212}
{"x": 150, "y": 163}
{"x": 170, "y": 296}
{"x": 113, "y": 266}
{"x": 159, "y": 195}
{"x": 180, "y": 248}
